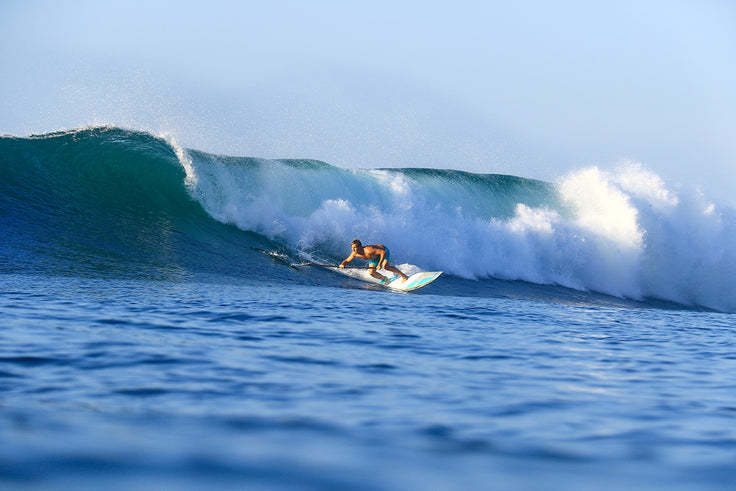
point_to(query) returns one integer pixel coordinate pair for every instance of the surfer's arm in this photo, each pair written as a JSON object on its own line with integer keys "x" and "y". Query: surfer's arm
{"x": 347, "y": 260}
{"x": 381, "y": 258}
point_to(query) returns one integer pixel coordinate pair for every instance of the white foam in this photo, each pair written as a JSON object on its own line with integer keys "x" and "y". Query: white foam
{"x": 621, "y": 232}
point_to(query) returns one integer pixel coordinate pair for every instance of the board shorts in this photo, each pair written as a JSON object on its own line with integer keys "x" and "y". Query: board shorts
{"x": 373, "y": 263}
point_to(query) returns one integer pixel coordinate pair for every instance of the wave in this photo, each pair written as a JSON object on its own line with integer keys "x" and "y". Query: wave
{"x": 108, "y": 192}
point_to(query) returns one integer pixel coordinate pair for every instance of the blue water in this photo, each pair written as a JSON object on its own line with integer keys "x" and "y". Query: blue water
{"x": 147, "y": 340}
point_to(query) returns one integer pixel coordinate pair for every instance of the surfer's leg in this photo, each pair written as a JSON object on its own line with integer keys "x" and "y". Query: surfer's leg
{"x": 372, "y": 271}
{"x": 388, "y": 267}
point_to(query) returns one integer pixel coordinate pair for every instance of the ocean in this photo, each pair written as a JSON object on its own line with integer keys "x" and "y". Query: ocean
{"x": 161, "y": 326}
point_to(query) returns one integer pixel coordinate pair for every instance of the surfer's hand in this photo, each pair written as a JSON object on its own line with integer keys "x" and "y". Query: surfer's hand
{"x": 342, "y": 265}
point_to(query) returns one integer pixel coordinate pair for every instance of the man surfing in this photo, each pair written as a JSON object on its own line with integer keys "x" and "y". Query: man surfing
{"x": 377, "y": 256}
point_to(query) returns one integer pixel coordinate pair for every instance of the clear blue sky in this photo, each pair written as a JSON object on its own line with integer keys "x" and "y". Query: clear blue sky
{"x": 531, "y": 88}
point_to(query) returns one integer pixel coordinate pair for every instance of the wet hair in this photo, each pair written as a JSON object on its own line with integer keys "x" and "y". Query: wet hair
{"x": 356, "y": 242}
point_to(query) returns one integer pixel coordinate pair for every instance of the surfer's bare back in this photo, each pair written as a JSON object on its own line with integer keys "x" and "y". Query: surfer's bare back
{"x": 378, "y": 257}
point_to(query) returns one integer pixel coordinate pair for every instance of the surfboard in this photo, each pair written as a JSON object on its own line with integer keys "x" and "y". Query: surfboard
{"x": 417, "y": 280}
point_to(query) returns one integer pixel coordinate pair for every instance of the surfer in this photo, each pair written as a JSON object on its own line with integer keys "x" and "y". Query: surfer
{"x": 377, "y": 256}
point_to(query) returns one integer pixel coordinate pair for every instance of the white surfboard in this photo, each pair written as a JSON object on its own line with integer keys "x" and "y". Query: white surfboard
{"x": 417, "y": 280}
{"x": 414, "y": 281}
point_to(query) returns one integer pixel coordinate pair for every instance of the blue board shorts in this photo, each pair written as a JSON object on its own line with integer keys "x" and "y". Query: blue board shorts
{"x": 374, "y": 262}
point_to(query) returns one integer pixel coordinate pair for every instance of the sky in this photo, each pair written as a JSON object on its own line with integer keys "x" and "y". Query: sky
{"x": 529, "y": 88}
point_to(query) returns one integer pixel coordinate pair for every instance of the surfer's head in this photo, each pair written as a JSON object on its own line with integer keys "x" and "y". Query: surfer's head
{"x": 356, "y": 244}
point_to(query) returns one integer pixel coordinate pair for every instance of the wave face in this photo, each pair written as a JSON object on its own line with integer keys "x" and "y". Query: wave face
{"x": 107, "y": 195}
{"x": 105, "y": 201}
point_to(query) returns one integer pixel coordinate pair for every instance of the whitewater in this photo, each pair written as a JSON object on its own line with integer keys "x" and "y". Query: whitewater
{"x": 622, "y": 233}
{"x": 158, "y": 329}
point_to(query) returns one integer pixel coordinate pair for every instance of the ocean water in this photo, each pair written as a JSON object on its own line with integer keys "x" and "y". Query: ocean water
{"x": 581, "y": 337}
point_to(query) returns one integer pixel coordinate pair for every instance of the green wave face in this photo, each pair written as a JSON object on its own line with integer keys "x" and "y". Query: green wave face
{"x": 105, "y": 200}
